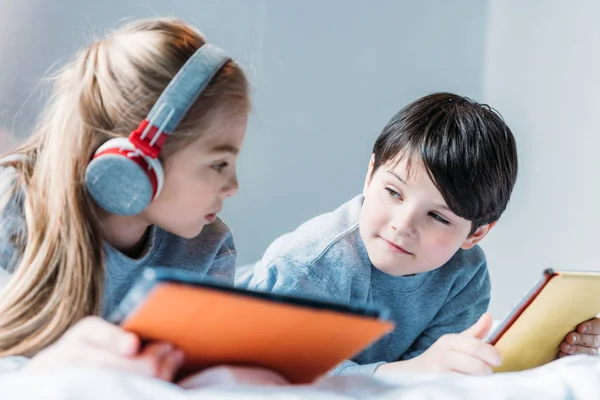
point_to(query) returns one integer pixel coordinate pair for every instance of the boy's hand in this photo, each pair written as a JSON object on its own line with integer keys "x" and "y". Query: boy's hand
{"x": 584, "y": 340}
{"x": 465, "y": 352}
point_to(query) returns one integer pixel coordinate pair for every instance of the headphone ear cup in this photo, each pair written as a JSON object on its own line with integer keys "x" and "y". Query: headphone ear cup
{"x": 121, "y": 182}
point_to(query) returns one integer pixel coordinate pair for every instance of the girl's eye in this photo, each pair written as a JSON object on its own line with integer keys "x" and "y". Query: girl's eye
{"x": 220, "y": 166}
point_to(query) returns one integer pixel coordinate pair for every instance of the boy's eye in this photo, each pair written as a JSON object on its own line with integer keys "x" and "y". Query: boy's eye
{"x": 393, "y": 193}
{"x": 220, "y": 166}
{"x": 439, "y": 218}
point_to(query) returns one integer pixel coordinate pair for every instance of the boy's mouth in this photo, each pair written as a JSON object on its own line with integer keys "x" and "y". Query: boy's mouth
{"x": 396, "y": 248}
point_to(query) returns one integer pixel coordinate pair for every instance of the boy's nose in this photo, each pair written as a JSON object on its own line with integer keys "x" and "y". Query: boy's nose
{"x": 405, "y": 224}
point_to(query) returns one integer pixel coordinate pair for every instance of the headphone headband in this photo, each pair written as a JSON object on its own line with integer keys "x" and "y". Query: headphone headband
{"x": 177, "y": 98}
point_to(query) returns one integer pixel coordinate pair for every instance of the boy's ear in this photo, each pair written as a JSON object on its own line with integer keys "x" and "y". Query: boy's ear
{"x": 369, "y": 172}
{"x": 479, "y": 234}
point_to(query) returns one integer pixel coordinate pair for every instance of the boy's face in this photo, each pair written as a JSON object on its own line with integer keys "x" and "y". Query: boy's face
{"x": 405, "y": 224}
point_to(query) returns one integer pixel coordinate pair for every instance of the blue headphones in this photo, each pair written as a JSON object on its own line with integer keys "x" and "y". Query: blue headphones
{"x": 125, "y": 174}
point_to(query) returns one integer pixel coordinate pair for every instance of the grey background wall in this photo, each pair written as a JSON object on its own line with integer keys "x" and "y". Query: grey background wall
{"x": 327, "y": 75}
{"x": 542, "y": 70}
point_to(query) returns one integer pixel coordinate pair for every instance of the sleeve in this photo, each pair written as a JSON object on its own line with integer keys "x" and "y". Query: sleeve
{"x": 349, "y": 367}
{"x": 222, "y": 267}
{"x": 458, "y": 313}
{"x": 12, "y": 364}
{"x": 285, "y": 275}
{"x": 13, "y": 228}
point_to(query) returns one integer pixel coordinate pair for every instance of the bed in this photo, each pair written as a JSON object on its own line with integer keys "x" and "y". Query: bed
{"x": 572, "y": 378}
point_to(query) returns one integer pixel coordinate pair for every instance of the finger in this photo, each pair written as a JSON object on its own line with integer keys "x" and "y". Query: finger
{"x": 155, "y": 360}
{"x": 566, "y": 348}
{"x": 475, "y": 348}
{"x": 584, "y": 350}
{"x": 561, "y": 354}
{"x": 582, "y": 339}
{"x": 590, "y": 327}
{"x": 479, "y": 329}
{"x": 571, "y": 338}
{"x": 171, "y": 365}
{"x": 100, "y": 333}
{"x": 570, "y": 349}
{"x": 466, "y": 364}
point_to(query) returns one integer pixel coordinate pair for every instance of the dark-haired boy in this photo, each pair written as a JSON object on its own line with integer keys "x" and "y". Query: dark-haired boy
{"x": 441, "y": 175}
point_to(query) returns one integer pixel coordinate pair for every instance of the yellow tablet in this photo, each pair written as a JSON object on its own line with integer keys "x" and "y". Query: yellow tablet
{"x": 531, "y": 334}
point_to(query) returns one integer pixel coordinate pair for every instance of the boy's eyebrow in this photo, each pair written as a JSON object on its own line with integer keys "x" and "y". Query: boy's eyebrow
{"x": 225, "y": 148}
{"x": 443, "y": 207}
{"x": 397, "y": 176}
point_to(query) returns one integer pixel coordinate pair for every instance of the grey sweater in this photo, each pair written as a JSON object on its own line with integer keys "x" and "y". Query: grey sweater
{"x": 326, "y": 258}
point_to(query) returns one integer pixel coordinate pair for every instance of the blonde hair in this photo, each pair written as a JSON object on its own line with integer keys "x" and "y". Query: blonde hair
{"x": 105, "y": 92}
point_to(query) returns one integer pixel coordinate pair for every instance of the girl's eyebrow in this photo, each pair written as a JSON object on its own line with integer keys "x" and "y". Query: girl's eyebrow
{"x": 225, "y": 148}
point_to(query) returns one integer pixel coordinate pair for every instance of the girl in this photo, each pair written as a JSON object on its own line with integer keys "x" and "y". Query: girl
{"x": 72, "y": 253}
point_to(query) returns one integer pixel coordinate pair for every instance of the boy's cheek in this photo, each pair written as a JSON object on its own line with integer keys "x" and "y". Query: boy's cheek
{"x": 373, "y": 222}
{"x": 375, "y": 209}
{"x": 441, "y": 246}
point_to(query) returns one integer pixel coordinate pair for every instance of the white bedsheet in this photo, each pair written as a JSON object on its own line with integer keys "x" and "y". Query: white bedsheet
{"x": 576, "y": 378}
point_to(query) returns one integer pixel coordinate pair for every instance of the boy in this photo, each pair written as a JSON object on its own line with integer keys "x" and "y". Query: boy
{"x": 440, "y": 176}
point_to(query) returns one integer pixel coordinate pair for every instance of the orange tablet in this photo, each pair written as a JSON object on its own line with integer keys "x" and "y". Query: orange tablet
{"x": 215, "y": 324}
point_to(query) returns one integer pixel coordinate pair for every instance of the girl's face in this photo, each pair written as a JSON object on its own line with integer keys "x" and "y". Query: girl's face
{"x": 198, "y": 179}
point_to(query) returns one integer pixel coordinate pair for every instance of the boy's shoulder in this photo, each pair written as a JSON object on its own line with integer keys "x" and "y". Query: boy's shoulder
{"x": 472, "y": 258}
{"x": 322, "y": 238}
{"x": 464, "y": 266}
